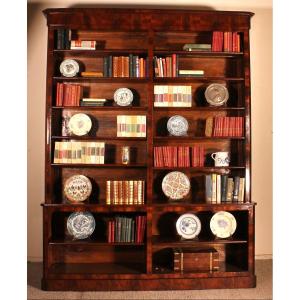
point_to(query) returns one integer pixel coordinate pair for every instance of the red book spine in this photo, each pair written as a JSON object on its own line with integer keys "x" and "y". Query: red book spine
{"x": 109, "y": 232}
{"x": 57, "y": 100}
{"x": 155, "y": 157}
{"x": 202, "y": 156}
{"x": 187, "y": 149}
{"x": 174, "y": 64}
{"x": 113, "y": 229}
{"x": 242, "y": 122}
{"x": 230, "y": 41}
{"x": 143, "y": 230}
{"x": 164, "y": 67}
{"x": 238, "y": 42}
{"x": 66, "y": 96}
{"x": 213, "y": 43}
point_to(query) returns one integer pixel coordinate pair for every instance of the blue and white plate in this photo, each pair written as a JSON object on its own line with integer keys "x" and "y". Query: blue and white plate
{"x": 178, "y": 126}
{"x": 223, "y": 224}
{"x": 81, "y": 225}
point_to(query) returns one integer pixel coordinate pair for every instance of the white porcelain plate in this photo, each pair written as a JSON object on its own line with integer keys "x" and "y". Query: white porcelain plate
{"x": 188, "y": 226}
{"x": 123, "y": 96}
{"x": 81, "y": 225}
{"x": 177, "y": 126}
{"x": 77, "y": 188}
{"x": 176, "y": 185}
{"x": 223, "y": 224}
{"x": 69, "y": 68}
{"x": 80, "y": 124}
{"x": 216, "y": 94}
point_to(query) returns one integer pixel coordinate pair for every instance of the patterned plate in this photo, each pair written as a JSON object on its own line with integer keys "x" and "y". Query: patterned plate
{"x": 176, "y": 185}
{"x": 223, "y": 224}
{"x": 81, "y": 225}
{"x": 188, "y": 226}
{"x": 77, "y": 188}
{"x": 177, "y": 126}
{"x": 216, "y": 94}
{"x": 69, "y": 68}
{"x": 123, "y": 96}
{"x": 80, "y": 124}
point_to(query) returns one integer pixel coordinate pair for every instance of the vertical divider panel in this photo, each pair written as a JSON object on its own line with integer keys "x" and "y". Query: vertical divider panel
{"x": 150, "y": 127}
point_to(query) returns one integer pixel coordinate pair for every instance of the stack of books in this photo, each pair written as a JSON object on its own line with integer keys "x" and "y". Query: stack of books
{"x": 225, "y": 127}
{"x": 226, "y": 41}
{"x": 125, "y": 192}
{"x": 126, "y": 230}
{"x": 131, "y": 126}
{"x": 179, "y": 156}
{"x": 92, "y": 102}
{"x": 224, "y": 189}
{"x": 62, "y": 39}
{"x": 83, "y": 45}
{"x": 172, "y": 95}
{"x": 190, "y": 73}
{"x": 125, "y": 66}
{"x": 79, "y": 152}
{"x": 166, "y": 66}
{"x": 68, "y": 94}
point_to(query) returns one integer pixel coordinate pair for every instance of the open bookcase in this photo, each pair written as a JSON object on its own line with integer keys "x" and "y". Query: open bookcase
{"x": 95, "y": 263}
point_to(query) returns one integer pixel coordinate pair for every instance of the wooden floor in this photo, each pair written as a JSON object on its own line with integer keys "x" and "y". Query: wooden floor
{"x": 262, "y": 291}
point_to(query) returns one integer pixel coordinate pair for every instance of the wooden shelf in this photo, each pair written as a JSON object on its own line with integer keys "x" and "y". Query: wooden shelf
{"x": 90, "y": 242}
{"x": 101, "y": 53}
{"x": 102, "y": 79}
{"x": 98, "y": 165}
{"x": 199, "y": 53}
{"x": 193, "y": 138}
{"x": 95, "y": 207}
{"x": 104, "y": 108}
{"x": 161, "y": 242}
{"x": 92, "y": 138}
{"x": 195, "y": 79}
{"x": 221, "y": 108}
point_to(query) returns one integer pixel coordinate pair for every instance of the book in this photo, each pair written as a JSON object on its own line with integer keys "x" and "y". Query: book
{"x": 208, "y": 188}
{"x": 241, "y": 190}
{"x": 83, "y": 45}
{"x": 131, "y": 126}
{"x": 191, "y": 72}
{"x": 197, "y": 47}
{"x": 236, "y": 188}
{"x": 91, "y": 74}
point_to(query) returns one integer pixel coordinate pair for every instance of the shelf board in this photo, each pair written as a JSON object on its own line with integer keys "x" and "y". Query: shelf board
{"x": 89, "y": 242}
{"x": 158, "y": 241}
{"x": 199, "y": 53}
{"x": 205, "y": 108}
{"x": 99, "y": 52}
{"x": 102, "y": 79}
{"x": 104, "y": 108}
{"x": 193, "y": 138}
{"x": 99, "y": 165}
{"x": 93, "y": 138}
{"x": 185, "y": 206}
{"x": 206, "y": 169}
{"x": 96, "y": 207}
{"x": 196, "y": 79}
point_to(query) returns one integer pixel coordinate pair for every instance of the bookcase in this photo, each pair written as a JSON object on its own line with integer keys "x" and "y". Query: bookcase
{"x": 95, "y": 263}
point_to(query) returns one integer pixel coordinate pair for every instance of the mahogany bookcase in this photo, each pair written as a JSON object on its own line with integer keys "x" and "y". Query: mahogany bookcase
{"x": 95, "y": 264}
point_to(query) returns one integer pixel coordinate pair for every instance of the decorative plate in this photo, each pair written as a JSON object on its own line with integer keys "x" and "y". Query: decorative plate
{"x": 178, "y": 126}
{"x": 80, "y": 124}
{"x": 176, "y": 185}
{"x": 223, "y": 224}
{"x": 188, "y": 226}
{"x": 69, "y": 68}
{"x": 77, "y": 188}
{"x": 123, "y": 96}
{"x": 216, "y": 94}
{"x": 81, "y": 225}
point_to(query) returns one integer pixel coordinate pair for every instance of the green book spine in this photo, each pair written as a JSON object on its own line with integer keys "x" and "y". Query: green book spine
{"x": 59, "y": 39}
{"x": 130, "y": 65}
{"x": 224, "y": 180}
{"x": 110, "y": 66}
{"x": 105, "y": 66}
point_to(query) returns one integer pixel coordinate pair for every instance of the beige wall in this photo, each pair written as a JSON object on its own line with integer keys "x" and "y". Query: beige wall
{"x": 261, "y": 68}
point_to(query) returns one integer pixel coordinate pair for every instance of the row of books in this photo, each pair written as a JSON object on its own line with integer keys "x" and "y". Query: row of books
{"x": 221, "y": 188}
{"x": 125, "y": 66}
{"x": 126, "y": 230}
{"x": 166, "y": 66}
{"x": 79, "y": 152}
{"x": 120, "y": 192}
{"x": 179, "y": 156}
{"x": 226, "y": 41}
{"x": 172, "y": 95}
{"x": 225, "y": 126}
{"x": 131, "y": 126}
{"x": 68, "y": 94}
{"x": 62, "y": 39}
